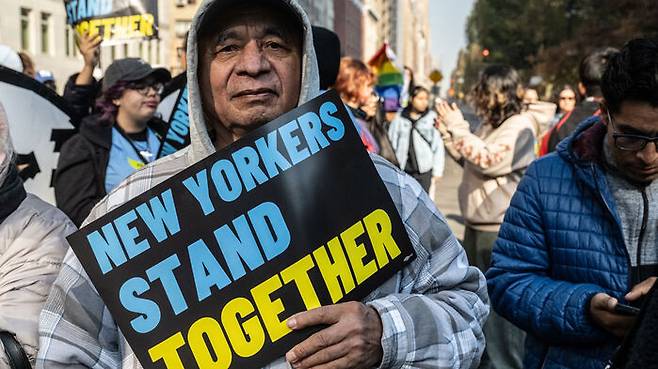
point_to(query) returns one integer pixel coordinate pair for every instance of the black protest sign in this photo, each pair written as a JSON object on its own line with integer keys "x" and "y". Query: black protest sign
{"x": 37, "y": 133}
{"x": 173, "y": 108}
{"x": 204, "y": 269}
{"x": 114, "y": 20}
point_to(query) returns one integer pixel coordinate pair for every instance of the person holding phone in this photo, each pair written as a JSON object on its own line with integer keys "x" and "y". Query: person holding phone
{"x": 578, "y": 249}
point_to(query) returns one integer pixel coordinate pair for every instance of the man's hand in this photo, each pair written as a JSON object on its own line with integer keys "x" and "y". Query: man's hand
{"x": 352, "y": 340}
{"x": 640, "y": 289}
{"x": 602, "y": 311}
{"x": 89, "y": 48}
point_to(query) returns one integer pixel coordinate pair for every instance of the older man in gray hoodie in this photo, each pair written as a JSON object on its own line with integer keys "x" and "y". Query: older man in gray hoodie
{"x": 250, "y": 62}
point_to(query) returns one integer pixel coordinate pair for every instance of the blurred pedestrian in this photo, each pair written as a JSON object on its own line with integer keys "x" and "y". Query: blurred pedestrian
{"x": 28, "y": 64}
{"x": 566, "y": 100}
{"x": 32, "y": 246}
{"x": 355, "y": 84}
{"x": 581, "y": 235}
{"x": 376, "y": 123}
{"x": 591, "y": 71}
{"x": 418, "y": 145}
{"x": 123, "y": 137}
{"x": 495, "y": 158}
{"x": 408, "y": 85}
{"x": 46, "y": 77}
{"x": 530, "y": 96}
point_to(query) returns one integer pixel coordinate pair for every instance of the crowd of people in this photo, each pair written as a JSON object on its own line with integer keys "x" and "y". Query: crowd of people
{"x": 557, "y": 264}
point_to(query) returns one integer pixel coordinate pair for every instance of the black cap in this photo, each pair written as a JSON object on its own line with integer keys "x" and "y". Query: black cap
{"x": 132, "y": 69}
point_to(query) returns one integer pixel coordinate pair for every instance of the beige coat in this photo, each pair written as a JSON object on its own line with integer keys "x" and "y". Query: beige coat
{"x": 494, "y": 162}
{"x": 32, "y": 246}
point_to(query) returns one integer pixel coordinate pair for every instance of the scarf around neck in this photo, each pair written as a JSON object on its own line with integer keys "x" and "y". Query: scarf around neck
{"x": 12, "y": 193}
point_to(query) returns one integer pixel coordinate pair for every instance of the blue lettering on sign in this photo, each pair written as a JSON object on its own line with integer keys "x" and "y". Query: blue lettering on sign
{"x": 106, "y": 248}
{"x": 206, "y": 270}
{"x": 164, "y": 271}
{"x": 179, "y": 126}
{"x": 292, "y": 142}
{"x": 149, "y": 312}
{"x": 239, "y": 248}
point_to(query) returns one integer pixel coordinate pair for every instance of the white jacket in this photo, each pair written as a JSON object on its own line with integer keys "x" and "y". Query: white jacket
{"x": 428, "y": 144}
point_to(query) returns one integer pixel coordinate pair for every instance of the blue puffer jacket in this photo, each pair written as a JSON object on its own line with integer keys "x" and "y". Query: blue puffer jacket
{"x": 560, "y": 244}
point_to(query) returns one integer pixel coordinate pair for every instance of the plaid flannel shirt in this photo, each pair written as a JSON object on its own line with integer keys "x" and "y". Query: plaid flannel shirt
{"x": 432, "y": 311}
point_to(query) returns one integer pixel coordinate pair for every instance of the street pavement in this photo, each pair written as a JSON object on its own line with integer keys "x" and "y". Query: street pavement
{"x": 445, "y": 197}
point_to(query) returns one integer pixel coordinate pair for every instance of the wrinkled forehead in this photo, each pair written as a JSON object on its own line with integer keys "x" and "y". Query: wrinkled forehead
{"x": 253, "y": 19}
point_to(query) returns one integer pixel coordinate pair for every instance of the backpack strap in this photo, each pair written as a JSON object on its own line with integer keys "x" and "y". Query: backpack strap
{"x": 15, "y": 353}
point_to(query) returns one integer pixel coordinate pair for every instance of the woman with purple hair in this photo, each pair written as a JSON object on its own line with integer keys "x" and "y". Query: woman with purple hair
{"x": 123, "y": 137}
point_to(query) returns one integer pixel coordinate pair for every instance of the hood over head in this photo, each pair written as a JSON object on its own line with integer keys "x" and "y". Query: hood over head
{"x": 6, "y": 147}
{"x": 201, "y": 145}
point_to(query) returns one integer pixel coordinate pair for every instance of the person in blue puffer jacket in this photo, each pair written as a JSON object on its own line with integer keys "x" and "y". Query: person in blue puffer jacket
{"x": 581, "y": 235}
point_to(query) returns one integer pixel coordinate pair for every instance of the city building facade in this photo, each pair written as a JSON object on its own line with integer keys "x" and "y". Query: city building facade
{"x": 412, "y": 42}
{"x": 181, "y": 13}
{"x": 39, "y": 28}
{"x": 320, "y": 12}
{"x": 348, "y": 24}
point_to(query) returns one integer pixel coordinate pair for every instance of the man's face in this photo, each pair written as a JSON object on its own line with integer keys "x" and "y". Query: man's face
{"x": 636, "y": 118}
{"x": 250, "y": 71}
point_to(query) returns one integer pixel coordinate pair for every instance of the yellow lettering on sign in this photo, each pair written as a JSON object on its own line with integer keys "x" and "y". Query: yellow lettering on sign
{"x": 356, "y": 253}
{"x": 270, "y": 309}
{"x": 332, "y": 272}
{"x": 167, "y": 350}
{"x": 298, "y": 273}
{"x": 209, "y": 328}
{"x": 242, "y": 345}
{"x": 146, "y": 26}
{"x": 379, "y": 228}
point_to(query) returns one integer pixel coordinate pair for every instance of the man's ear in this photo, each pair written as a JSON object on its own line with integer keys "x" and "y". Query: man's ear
{"x": 116, "y": 102}
{"x": 582, "y": 90}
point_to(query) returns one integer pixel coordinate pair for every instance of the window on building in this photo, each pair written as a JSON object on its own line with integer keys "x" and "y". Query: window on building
{"x": 157, "y": 52}
{"x": 181, "y": 27}
{"x": 45, "y": 33}
{"x": 68, "y": 47}
{"x": 25, "y": 29}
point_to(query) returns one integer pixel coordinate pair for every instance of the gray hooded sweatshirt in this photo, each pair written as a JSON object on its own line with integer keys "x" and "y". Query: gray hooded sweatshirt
{"x": 432, "y": 311}
{"x": 32, "y": 246}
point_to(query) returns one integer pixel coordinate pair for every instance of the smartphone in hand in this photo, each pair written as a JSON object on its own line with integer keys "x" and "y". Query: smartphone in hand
{"x": 627, "y": 310}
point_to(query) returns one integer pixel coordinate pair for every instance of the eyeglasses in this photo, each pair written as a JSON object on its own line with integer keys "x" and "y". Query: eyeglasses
{"x": 143, "y": 87}
{"x": 568, "y": 98}
{"x": 630, "y": 142}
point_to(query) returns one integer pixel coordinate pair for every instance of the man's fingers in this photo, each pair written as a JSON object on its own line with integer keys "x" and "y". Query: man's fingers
{"x": 344, "y": 362}
{"x": 323, "y": 315}
{"x": 323, "y": 356}
{"x": 640, "y": 289}
{"x": 97, "y": 40}
{"x": 315, "y": 343}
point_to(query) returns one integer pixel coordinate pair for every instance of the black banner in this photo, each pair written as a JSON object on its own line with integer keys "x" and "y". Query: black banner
{"x": 114, "y": 20}
{"x": 204, "y": 269}
{"x": 37, "y": 132}
{"x": 173, "y": 108}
